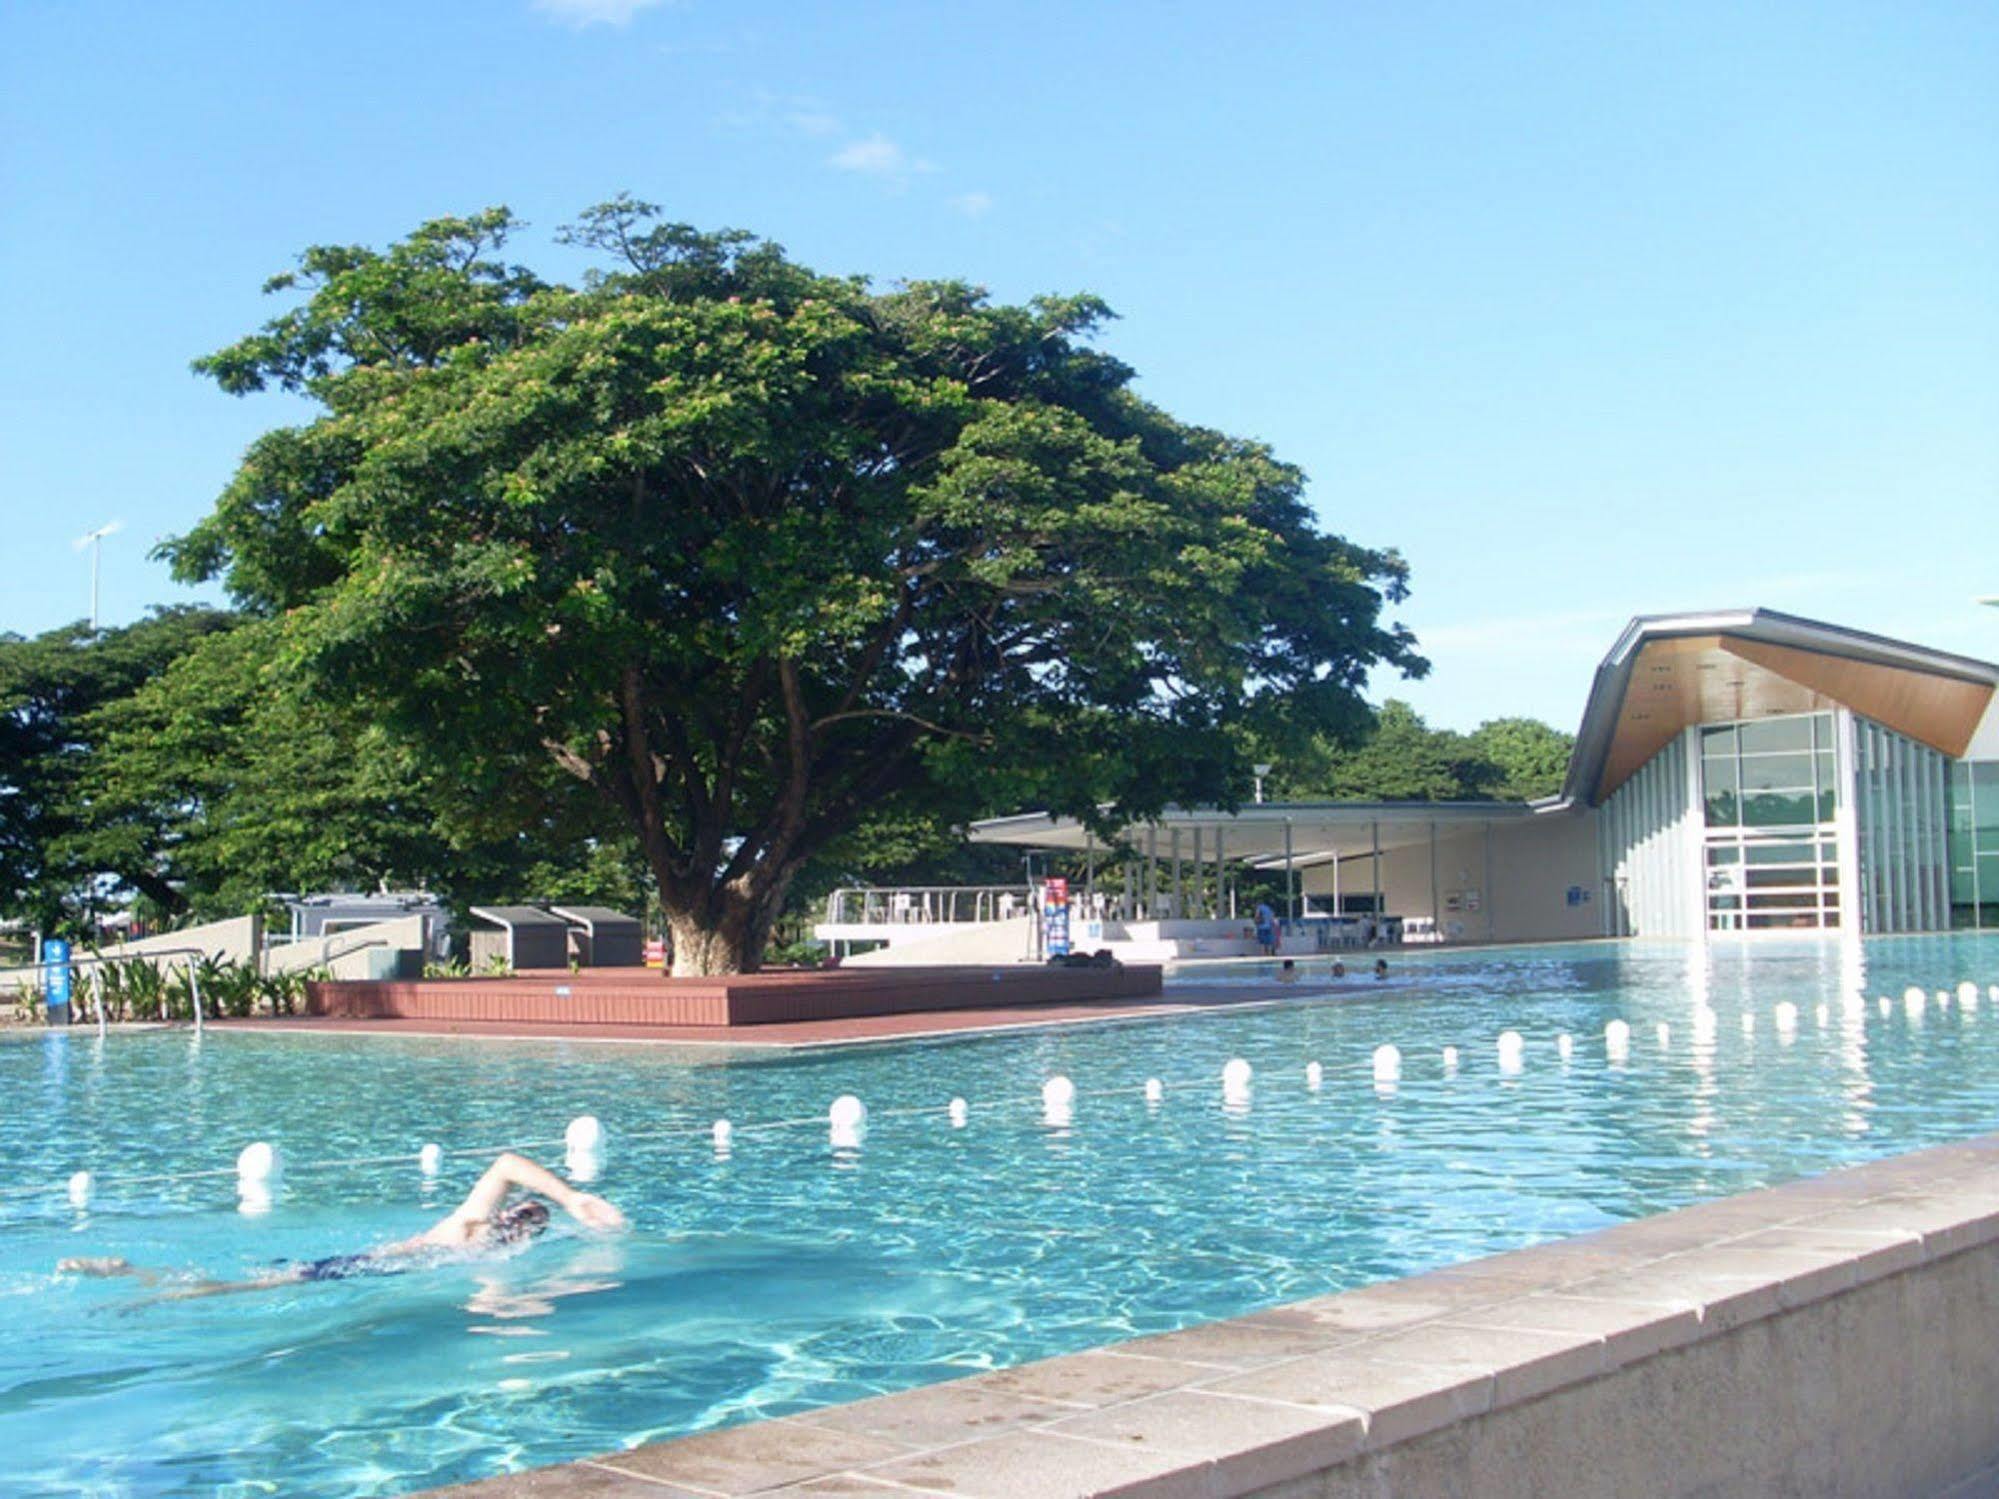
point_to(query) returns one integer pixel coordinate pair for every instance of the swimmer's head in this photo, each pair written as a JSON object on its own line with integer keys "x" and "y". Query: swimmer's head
{"x": 521, "y": 1222}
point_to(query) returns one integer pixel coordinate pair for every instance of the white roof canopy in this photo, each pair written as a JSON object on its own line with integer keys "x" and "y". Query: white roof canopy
{"x": 1320, "y": 831}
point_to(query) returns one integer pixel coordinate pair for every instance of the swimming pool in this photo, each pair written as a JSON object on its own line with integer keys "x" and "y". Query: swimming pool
{"x": 792, "y": 1275}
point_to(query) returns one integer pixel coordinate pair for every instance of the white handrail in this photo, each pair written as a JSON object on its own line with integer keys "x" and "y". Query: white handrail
{"x": 900, "y": 905}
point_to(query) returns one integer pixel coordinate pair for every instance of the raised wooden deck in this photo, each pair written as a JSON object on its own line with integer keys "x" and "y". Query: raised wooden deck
{"x": 626, "y": 1001}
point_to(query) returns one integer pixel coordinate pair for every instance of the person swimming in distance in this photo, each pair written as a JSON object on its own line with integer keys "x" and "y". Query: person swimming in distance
{"x": 1339, "y": 969}
{"x": 1287, "y": 973}
{"x": 1381, "y": 968}
{"x": 485, "y": 1220}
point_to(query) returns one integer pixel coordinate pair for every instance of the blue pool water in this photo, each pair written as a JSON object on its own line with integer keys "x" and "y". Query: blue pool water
{"x": 791, "y": 1275}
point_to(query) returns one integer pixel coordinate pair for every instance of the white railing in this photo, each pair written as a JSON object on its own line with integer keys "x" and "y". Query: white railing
{"x": 923, "y": 905}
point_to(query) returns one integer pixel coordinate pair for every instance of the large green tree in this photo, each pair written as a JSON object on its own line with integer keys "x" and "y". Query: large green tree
{"x": 757, "y": 555}
{"x": 228, "y": 783}
{"x": 53, "y": 862}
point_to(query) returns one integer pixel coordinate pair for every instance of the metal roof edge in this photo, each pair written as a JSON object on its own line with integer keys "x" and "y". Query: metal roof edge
{"x": 1769, "y": 626}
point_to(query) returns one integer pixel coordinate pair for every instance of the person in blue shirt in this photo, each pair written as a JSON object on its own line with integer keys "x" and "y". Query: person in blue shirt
{"x": 1266, "y": 928}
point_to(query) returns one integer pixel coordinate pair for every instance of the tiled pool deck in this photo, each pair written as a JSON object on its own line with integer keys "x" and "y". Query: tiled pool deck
{"x": 1284, "y": 1396}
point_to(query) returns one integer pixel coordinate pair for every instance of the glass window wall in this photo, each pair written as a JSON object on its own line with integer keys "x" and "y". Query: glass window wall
{"x": 1771, "y": 791}
{"x": 1974, "y": 844}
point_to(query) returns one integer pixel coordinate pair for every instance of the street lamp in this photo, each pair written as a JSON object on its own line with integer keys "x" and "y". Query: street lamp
{"x": 95, "y": 541}
{"x": 1261, "y": 772}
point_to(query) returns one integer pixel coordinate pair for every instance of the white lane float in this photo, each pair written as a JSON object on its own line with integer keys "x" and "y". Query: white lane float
{"x": 1450, "y": 1059}
{"x": 724, "y": 1135}
{"x": 1315, "y": 1076}
{"x": 1786, "y": 1016}
{"x": 1617, "y": 1040}
{"x": 430, "y": 1159}
{"x": 1058, "y": 1102}
{"x": 259, "y": 1170}
{"x": 846, "y": 1122}
{"x": 1565, "y": 1046}
{"x": 81, "y": 1185}
{"x": 1665, "y": 1035}
{"x": 1387, "y": 1064}
{"x": 1155, "y": 1090}
{"x": 583, "y": 1146}
{"x": 957, "y": 1110}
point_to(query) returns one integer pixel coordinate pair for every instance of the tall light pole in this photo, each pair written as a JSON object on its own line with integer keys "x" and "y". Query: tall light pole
{"x": 95, "y": 541}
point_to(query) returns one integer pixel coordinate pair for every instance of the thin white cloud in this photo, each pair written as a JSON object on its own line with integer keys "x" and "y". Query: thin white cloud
{"x": 813, "y": 122}
{"x": 594, "y": 12}
{"x": 973, "y": 205}
{"x": 878, "y": 156}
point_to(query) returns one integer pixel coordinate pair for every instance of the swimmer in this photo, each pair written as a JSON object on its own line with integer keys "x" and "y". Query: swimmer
{"x": 484, "y": 1220}
{"x": 1381, "y": 968}
{"x": 1339, "y": 969}
{"x": 1288, "y": 973}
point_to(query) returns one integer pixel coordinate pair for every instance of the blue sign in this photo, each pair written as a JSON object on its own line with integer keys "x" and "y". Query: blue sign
{"x": 1055, "y": 917}
{"x": 56, "y": 973}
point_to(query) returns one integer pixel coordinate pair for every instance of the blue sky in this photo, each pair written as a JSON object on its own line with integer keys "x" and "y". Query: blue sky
{"x": 1589, "y": 310}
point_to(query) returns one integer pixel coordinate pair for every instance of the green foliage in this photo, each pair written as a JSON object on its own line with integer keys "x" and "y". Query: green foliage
{"x": 765, "y": 559}
{"x": 53, "y": 847}
{"x": 138, "y": 989}
{"x": 1532, "y": 758}
{"x": 1401, "y": 758}
{"x": 178, "y": 761}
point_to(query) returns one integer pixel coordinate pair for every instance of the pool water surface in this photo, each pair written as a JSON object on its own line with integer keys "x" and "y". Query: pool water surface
{"x": 791, "y": 1274}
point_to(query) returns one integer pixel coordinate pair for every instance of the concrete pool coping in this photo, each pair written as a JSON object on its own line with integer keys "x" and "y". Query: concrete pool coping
{"x": 1313, "y": 1387}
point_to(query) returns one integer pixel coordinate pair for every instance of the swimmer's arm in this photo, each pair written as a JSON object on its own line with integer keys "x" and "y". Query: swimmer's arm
{"x": 510, "y": 1171}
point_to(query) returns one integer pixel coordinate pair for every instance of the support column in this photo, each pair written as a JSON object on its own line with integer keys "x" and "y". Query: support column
{"x": 1221, "y": 878}
{"x": 1436, "y": 909}
{"x": 1375, "y": 837}
{"x": 1089, "y": 873}
{"x": 1846, "y": 823}
{"x": 1151, "y": 912}
{"x": 1200, "y": 892}
{"x": 1290, "y": 889}
{"x": 1179, "y": 877}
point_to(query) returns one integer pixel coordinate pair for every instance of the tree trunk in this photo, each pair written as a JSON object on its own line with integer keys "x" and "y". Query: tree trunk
{"x": 723, "y": 930}
{"x": 702, "y": 947}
